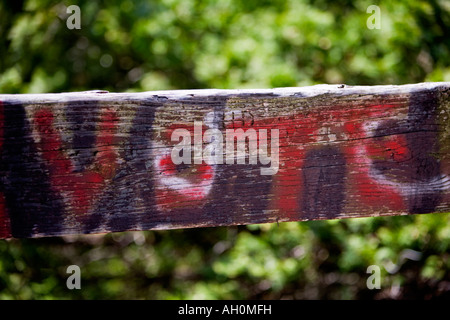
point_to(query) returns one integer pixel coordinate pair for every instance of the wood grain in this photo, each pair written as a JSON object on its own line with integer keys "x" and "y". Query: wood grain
{"x": 95, "y": 162}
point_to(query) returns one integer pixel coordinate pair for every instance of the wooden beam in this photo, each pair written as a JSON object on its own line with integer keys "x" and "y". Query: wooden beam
{"x": 94, "y": 162}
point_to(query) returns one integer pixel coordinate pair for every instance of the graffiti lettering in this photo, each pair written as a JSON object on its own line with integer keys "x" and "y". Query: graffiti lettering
{"x": 99, "y": 167}
{"x": 81, "y": 188}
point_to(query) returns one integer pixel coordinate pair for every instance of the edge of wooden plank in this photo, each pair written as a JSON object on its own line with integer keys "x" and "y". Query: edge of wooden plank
{"x": 300, "y": 92}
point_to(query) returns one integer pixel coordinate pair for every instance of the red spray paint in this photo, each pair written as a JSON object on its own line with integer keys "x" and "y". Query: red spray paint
{"x": 81, "y": 188}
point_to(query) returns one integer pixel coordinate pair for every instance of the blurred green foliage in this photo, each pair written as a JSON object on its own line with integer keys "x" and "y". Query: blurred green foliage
{"x": 173, "y": 44}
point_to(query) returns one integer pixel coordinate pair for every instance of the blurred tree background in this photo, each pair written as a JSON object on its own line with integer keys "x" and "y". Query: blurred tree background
{"x": 183, "y": 44}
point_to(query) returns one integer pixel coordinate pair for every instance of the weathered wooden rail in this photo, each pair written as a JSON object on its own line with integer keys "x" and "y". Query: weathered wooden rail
{"x": 93, "y": 162}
